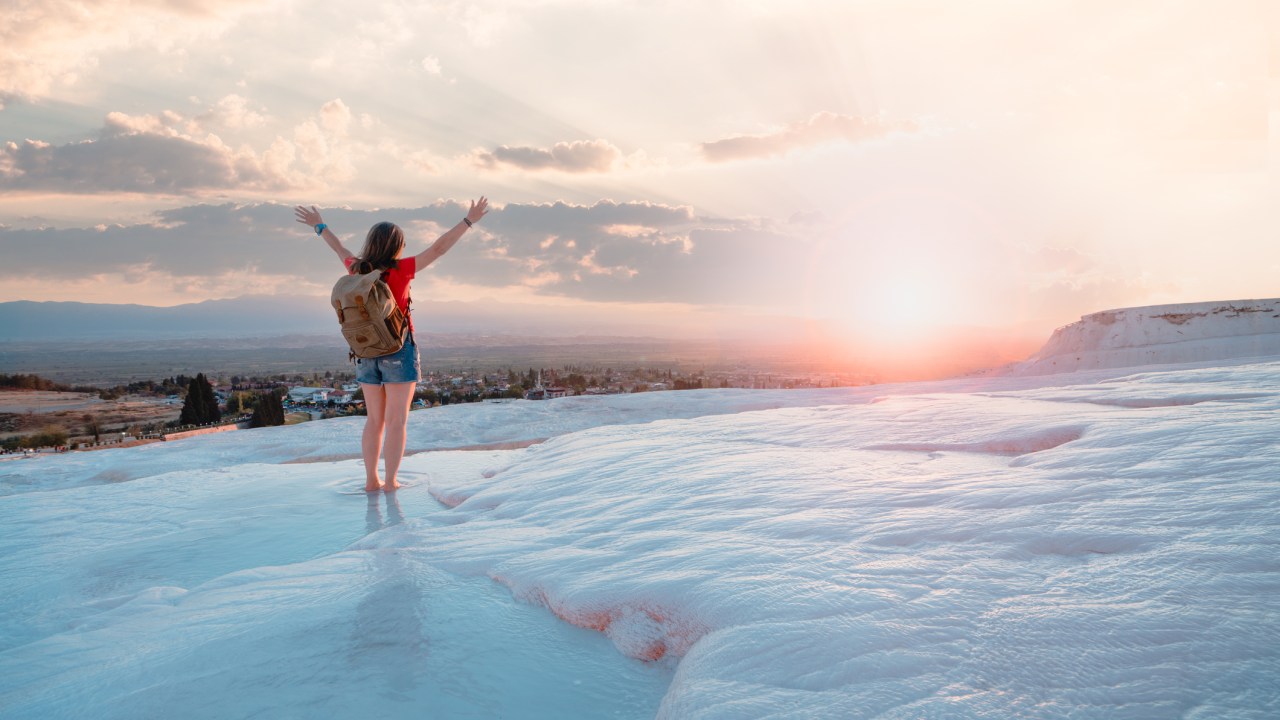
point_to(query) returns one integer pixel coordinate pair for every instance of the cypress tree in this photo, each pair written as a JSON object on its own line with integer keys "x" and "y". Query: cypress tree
{"x": 267, "y": 411}
{"x": 193, "y": 408}
{"x": 212, "y": 413}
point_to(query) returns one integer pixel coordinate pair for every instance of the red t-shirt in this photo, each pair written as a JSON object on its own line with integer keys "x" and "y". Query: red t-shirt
{"x": 398, "y": 280}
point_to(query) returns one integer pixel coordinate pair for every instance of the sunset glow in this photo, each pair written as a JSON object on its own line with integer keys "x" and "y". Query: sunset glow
{"x": 891, "y": 170}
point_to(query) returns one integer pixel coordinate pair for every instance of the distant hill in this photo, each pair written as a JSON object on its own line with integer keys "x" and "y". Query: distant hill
{"x": 255, "y": 316}
{"x": 25, "y": 320}
{"x": 1160, "y": 335}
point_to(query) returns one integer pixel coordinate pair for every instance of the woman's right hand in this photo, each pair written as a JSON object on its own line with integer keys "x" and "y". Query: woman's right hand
{"x": 308, "y": 216}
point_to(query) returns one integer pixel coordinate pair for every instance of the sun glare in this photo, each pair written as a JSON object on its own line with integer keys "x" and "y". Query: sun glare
{"x": 893, "y": 310}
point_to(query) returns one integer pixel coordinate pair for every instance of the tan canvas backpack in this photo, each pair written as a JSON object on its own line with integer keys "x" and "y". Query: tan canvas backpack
{"x": 371, "y": 321}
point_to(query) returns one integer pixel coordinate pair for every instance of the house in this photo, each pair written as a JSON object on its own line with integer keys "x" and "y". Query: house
{"x": 308, "y": 394}
{"x": 340, "y": 397}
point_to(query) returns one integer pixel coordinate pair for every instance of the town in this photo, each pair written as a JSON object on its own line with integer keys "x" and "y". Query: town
{"x": 55, "y": 417}
{"x": 443, "y": 388}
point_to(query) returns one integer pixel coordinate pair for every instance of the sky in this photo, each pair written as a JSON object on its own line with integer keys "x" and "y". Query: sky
{"x": 881, "y": 170}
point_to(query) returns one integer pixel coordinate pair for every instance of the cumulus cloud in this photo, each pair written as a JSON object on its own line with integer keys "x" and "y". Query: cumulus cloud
{"x": 580, "y": 156}
{"x": 608, "y": 251}
{"x": 234, "y": 112}
{"x": 169, "y": 152}
{"x": 231, "y": 113}
{"x": 824, "y": 127}
{"x": 325, "y": 143}
{"x": 133, "y": 162}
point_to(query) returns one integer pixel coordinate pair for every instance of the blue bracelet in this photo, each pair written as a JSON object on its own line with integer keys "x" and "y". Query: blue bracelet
{"x": 321, "y": 228}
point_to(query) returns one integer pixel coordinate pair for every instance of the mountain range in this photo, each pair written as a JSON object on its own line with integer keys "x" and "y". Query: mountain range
{"x": 259, "y": 315}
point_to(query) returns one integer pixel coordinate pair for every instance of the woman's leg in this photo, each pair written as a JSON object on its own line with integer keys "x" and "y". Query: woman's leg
{"x": 399, "y": 397}
{"x": 375, "y": 403}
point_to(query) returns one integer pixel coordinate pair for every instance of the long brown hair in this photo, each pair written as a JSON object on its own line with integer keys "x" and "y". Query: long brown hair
{"x": 382, "y": 248}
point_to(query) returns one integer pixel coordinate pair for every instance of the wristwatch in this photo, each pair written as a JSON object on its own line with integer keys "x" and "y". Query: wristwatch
{"x": 321, "y": 228}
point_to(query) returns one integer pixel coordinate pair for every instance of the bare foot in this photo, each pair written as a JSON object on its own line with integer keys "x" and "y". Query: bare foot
{"x": 372, "y": 486}
{"x": 391, "y": 486}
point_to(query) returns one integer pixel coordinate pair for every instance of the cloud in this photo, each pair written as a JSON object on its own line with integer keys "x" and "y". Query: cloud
{"x": 662, "y": 253}
{"x": 628, "y": 252}
{"x": 1063, "y": 299}
{"x": 325, "y": 143}
{"x": 824, "y": 127}
{"x": 431, "y": 64}
{"x": 172, "y": 153}
{"x": 617, "y": 252}
{"x": 231, "y": 113}
{"x": 134, "y": 162}
{"x": 1060, "y": 259}
{"x": 46, "y": 43}
{"x": 234, "y": 112}
{"x": 580, "y": 156}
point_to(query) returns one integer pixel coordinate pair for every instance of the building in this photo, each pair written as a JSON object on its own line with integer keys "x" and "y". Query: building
{"x": 309, "y": 394}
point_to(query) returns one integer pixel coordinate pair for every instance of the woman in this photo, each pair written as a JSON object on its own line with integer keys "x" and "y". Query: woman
{"x": 388, "y": 381}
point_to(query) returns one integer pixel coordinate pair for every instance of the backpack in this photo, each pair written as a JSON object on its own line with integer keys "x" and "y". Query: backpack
{"x": 371, "y": 321}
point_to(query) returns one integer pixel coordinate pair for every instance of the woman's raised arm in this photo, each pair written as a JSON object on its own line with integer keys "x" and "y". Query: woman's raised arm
{"x": 479, "y": 208}
{"x": 311, "y": 216}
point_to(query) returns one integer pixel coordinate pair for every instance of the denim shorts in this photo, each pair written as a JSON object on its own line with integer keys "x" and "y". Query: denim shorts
{"x": 399, "y": 367}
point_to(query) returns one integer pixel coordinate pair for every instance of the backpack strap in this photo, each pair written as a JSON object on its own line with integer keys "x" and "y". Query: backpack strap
{"x": 408, "y": 298}
{"x": 337, "y": 305}
{"x": 364, "y": 311}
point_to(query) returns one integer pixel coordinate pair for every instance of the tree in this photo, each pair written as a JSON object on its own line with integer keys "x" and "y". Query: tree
{"x": 213, "y": 413}
{"x": 240, "y": 402}
{"x": 200, "y": 406}
{"x": 92, "y": 427}
{"x": 49, "y": 436}
{"x": 31, "y": 382}
{"x": 268, "y": 410}
{"x": 193, "y": 409}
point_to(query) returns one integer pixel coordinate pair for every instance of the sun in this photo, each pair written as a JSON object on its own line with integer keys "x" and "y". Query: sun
{"x": 893, "y": 309}
{"x": 908, "y": 300}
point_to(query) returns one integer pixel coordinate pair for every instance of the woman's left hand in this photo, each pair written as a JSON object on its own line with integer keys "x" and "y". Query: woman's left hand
{"x": 479, "y": 208}
{"x": 308, "y": 216}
